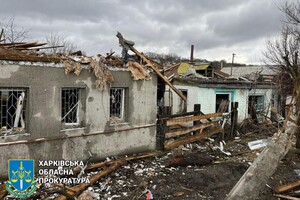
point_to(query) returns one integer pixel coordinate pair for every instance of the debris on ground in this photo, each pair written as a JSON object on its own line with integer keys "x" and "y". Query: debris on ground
{"x": 192, "y": 171}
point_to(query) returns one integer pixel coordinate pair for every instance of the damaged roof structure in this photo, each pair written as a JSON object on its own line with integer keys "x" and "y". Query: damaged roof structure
{"x": 75, "y": 107}
{"x": 201, "y": 83}
{"x": 72, "y": 105}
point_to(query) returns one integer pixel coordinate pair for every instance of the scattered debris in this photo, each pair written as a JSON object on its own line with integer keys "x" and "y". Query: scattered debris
{"x": 192, "y": 159}
{"x": 222, "y": 143}
{"x": 258, "y": 144}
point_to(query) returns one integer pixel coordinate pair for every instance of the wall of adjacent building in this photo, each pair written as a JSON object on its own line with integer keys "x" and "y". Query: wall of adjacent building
{"x": 206, "y": 96}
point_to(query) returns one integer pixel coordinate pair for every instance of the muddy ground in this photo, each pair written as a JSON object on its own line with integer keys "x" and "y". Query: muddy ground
{"x": 196, "y": 171}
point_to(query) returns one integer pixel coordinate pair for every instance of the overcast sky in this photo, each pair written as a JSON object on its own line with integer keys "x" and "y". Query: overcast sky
{"x": 217, "y": 28}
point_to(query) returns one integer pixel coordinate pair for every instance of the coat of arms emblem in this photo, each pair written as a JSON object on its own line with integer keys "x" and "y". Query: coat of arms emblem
{"x": 21, "y": 183}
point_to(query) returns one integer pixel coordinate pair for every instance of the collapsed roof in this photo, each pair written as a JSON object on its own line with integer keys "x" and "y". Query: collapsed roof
{"x": 99, "y": 65}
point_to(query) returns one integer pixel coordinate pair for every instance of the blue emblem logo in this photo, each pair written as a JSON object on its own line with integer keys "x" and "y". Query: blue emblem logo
{"x": 21, "y": 183}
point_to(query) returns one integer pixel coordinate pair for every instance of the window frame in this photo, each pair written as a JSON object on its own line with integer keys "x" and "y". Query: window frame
{"x": 123, "y": 110}
{"x": 80, "y": 110}
{"x": 20, "y": 129}
{"x": 256, "y": 96}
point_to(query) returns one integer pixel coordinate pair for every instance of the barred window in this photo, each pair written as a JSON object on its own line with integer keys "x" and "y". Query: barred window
{"x": 12, "y": 110}
{"x": 70, "y": 107}
{"x": 117, "y": 105}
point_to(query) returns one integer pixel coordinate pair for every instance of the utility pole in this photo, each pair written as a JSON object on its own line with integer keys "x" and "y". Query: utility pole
{"x": 232, "y": 63}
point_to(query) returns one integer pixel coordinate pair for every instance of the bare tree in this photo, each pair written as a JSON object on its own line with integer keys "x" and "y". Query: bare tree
{"x": 163, "y": 58}
{"x": 61, "y": 44}
{"x": 11, "y": 32}
{"x": 283, "y": 54}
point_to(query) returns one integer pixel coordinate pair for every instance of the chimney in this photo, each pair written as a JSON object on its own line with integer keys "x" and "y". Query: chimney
{"x": 192, "y": 54}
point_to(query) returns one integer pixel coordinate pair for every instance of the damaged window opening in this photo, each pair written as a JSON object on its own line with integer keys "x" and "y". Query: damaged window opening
{"x": 117, "y": 105}
{"x": 223, "y": 103}
{"x": 183, "y": 104}
{"x": 12, "y": 110}
{"x": 71, "y": 107}
{"x": 255, "y": 103}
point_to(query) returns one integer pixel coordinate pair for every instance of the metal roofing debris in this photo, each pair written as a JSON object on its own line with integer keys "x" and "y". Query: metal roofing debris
{"x": 183, "y": 68}
{"x": 201, "y": 67}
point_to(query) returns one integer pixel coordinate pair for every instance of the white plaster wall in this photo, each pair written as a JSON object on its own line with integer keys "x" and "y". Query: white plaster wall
{"x": 207, "y": 98}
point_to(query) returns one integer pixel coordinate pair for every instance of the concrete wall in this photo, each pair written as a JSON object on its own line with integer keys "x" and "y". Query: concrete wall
{"x": 206, "y": 96}
{"x": 98, "y": 135}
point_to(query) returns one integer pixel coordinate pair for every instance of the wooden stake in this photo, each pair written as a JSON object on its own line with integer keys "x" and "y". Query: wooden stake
{"x": 158, "y": 73}
{"x": 125, "y": 159}
{"x": 93, "y": 179}
{"x": 287, "y": 187}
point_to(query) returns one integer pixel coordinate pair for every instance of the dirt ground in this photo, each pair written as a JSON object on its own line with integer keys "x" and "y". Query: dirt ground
{"x": 196, "y": 171}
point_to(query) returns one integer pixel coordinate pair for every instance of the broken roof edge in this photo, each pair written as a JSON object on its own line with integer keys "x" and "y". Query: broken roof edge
{"x": 56, "y": 65}
{"x": 221, "y": 83}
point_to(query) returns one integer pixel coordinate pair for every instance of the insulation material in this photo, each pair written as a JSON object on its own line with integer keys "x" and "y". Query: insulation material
{"x": 138, "y": 72}
{"x": 102, "y": 73}
{"x": 72, "y": 66}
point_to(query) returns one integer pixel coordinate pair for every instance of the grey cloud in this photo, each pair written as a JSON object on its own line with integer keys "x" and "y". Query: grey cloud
{"x": 165, "y": 26}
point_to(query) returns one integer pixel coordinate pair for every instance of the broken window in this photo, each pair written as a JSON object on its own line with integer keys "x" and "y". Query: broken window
{"x": 222, "y": 102}
{"x": 71, "y": 111}
{"x": 255, "y": 103}
{"x": 117, "y": 105}
{"x": 12, "y": 110}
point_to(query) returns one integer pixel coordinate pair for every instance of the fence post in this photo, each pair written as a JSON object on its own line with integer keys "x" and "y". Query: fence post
{"x": 160, "y": 134}
{"x": 234, "y": 118}
{"x": 197, "y": 108}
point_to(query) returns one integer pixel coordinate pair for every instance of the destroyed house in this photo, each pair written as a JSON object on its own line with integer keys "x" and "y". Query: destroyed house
{"x": 74, "y": 108}
{"x": 216, "y": 92}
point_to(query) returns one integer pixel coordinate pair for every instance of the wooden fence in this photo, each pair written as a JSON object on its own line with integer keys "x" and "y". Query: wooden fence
{"x": 179, "y": 129}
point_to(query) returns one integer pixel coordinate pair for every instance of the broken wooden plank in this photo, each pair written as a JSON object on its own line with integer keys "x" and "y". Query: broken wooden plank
{"x": 50, "y": 47}
{"x": 18, "y": 113}
{"x": 194, "y": 138}
{"x": 158, "y": 73}
{"x": 163, "y": 117}
{"x": 286, "y": 197}
{"x": 3, "y": 190}
{"x": 250, "y": 184}
{"x": 129, "y": 45}
{"x": 64, "y": 187}
{"x": 188, "y": 130}
{"x": 124, "y": 159}
{"x": 80, "y": 188}
{"x": 149, "y": 62}
{"x": 15, "y": 55}
{"x": 25, "y": 45}
{"x": 192, "y": 118}
{"x": 192, "y": 159}
{"x": 287, "y": 187}
{"x": 1, "y": 34}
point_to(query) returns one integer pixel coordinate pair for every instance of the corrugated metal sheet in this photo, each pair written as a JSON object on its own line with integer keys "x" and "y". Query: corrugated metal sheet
{"x": 201, "y": 67}
{"x": 183, "y": 68}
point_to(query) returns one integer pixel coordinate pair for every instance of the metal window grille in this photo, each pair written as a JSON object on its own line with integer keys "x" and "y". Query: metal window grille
{"x": 117, "y": 100}
{"x": 11, "y": 117}
{"x": 70, "y": 105}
